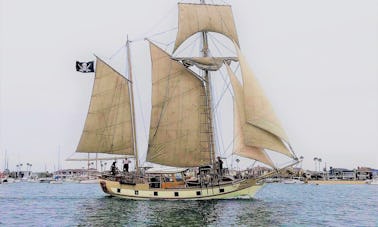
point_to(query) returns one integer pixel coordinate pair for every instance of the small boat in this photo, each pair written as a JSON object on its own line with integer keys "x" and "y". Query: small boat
{"x": 9, "y": 180}
{"x": 294, "y": 180}
{"x": 45, "y": 180}
{"x": 89, "y": 181}
{"x": 374, "y": 181}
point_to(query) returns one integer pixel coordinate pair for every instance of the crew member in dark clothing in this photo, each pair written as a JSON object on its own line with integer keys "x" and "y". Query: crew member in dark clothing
{"x": 113, "y": 168}
{"x": 220, "y": 166}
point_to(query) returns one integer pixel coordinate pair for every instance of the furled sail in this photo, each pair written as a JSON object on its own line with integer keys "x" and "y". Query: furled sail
{"x": 195, "y": 18}
{"x": 258, "y": 110}
{"x": 108, "y": 127}
{"x": 206, "y": 63}
{"x": 179, "y": 120}
{"x": 254, "y": 136}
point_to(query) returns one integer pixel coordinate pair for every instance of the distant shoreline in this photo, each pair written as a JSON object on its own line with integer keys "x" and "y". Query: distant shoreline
{"x": 335, "y": 182}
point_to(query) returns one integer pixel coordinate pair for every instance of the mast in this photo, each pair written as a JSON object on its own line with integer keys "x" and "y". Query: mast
{"x": 132, "y": 105}
{"x": 205, "y": 51}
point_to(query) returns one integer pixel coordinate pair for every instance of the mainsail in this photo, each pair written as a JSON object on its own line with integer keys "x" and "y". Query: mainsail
{"x": 178, "y": 131}
{"x": 195, "y": 18}
{"x": 254, "y": 136}
{"x": 108, "y": 127}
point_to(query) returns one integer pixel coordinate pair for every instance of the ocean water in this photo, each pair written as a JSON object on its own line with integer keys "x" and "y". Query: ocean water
{"x": 36, "y": 204}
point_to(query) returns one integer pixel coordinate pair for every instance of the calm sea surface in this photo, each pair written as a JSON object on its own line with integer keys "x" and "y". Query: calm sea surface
{"x": 36, "y": 204}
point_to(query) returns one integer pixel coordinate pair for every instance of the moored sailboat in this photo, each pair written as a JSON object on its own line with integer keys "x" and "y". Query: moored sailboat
{"x": 182, "y": 134}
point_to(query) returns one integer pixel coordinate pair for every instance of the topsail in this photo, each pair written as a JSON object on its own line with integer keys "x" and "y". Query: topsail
{"x": 195, "y": 18}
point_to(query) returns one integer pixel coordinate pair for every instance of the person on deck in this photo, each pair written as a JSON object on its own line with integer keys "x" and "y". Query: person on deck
{"x": 113, "y": 168}
{"x": 126, "y": 165}
{"x": 220, "y": 166}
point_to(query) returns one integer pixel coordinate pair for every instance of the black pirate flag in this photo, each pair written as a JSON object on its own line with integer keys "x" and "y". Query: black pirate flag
{"x": 85, "y": 67}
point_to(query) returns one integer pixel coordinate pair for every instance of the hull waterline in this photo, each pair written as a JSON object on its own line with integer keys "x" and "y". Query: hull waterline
{"x": 241, "y": 189}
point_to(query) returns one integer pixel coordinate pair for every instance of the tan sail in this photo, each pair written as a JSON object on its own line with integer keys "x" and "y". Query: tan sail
{"x": 243, "y": 150}
{"x": 195, "y": 18}
{"x": 178, "y": 135}
{"x": 258, "y": 109}
{"x": 254, "y": 136}
{"x": 108, "y": 126}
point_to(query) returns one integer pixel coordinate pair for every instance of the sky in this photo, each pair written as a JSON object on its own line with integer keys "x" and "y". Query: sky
{"x": 317, "y": 61}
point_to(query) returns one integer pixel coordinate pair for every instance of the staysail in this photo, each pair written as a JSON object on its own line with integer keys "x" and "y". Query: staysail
{"x": 108, "y": 127}
{"x": 243, "y": 150}
{"x": 178, "y": 130}
{"x": 258, "y": 110}
{"x": 254, "y": 136}
{"x": 195, "y": 18}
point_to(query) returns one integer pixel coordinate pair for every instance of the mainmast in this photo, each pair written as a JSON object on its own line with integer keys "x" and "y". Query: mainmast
{"x": 132, "y": 105}
{"x": 205, "y": 51}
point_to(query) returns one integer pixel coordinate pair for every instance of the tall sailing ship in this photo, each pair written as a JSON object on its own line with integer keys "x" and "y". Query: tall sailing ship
{"x": 182, "y": 134}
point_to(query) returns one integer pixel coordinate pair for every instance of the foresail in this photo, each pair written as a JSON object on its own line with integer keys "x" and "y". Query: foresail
{"x": 195, "y": 18}
{"x": 178, "y": 131}
{"x": 258, "y": 110}
{"x": 254, "y": 136}
{"x": 108, "y": 127}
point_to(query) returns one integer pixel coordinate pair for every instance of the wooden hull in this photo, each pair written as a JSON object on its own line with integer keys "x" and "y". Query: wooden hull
{"x": 241, "y": 189}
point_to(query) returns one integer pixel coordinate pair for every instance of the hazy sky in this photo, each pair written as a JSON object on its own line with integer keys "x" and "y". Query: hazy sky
{"x": 316, "y": 60}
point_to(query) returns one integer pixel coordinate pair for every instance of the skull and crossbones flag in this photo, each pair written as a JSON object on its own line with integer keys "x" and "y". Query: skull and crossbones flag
{"x": 85, "y": 67}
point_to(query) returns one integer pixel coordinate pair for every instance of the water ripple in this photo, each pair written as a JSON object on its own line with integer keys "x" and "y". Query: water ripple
{"x": 25, "y": 204}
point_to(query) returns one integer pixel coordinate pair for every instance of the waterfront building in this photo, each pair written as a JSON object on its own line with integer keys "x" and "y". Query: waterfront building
{"x": 364, "y": 173}
{"x": 258, "y": 171}
{"x": 341, "y": 174}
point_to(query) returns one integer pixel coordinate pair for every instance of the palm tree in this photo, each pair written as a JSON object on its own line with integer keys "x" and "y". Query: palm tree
{"x": 315, "y": 160}
{"x": 301, "y": 160}
{"x": 319, "y": 160}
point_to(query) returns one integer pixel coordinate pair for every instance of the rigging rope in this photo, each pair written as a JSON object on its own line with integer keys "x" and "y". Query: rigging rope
{"x": 185, "y": 47}
{"x": 155, "y": 34}
{"x": 116, "y": 53}
{"x": 168, "y": 12}
{"x": 214, "y": 37}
